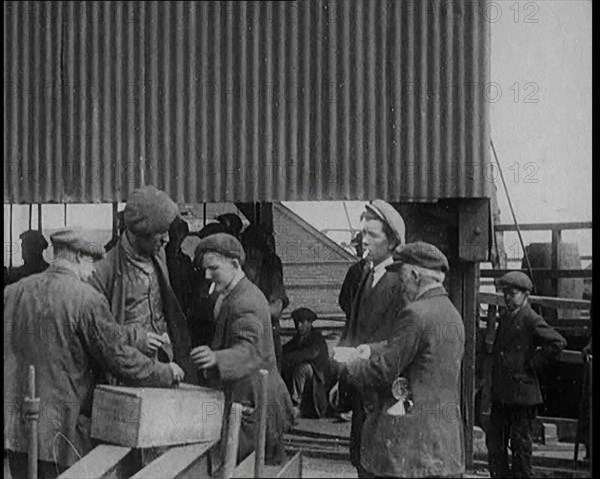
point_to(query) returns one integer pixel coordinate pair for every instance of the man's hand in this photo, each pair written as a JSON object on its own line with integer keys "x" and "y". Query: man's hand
{"x": 153, "y": 342}
{"x": 203, "y": 357}
{"x": 178, "y": 373}
{"x": 364, "y": 351}
{"x": 586, "y": 352}
{"x": 334, "y": 395}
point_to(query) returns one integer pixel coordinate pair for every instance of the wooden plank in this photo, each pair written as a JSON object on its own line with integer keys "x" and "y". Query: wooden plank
{"x": 233, "y": 439}
{"x": 261, "y": 430}
{"x": 565, "y": 303}
{"x": 246, "y": 467}
{"x": 189, "y": 461}
{"x": 561, "y": 273}
{"x": 575, "y": 225}
{"x": 555, "y": 259}
{"x": 293, "y": 468}
{"x": 104, "y": 461}
{"x": 470, "y": 318}
{"x": 474, "y": 229}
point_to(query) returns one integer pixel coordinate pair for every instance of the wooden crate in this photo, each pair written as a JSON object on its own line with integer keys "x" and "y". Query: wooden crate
{"x": 152, "y": 417}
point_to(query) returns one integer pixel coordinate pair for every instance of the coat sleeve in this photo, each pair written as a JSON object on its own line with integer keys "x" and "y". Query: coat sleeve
{"x": 310, "y": 351}
{"x": 242, "y": 358}
{"x": 388, "y": 358}
{"x": 546, "y": 336}
{"x": 104, "y": 339}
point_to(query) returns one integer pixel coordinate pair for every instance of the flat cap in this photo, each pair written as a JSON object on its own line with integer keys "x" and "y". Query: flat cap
{"x": 516, "y": 279}
{"x": 303, "y": 314}
{"x": 389, "y": 215}
{"x": 33, "y": 239}
{"x": 79, "y": 240}
{"x": 222, "y": 243}
{"x": 420, "y": 254}
{"x": 149, "y": 211}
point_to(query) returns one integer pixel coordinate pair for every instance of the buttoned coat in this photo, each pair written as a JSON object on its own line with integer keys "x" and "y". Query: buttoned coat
{"x": 243, "y": 344}
{"x": 426, "y": 348}
{"x": 516, "y": 356}
{"x": 109, "y": 279}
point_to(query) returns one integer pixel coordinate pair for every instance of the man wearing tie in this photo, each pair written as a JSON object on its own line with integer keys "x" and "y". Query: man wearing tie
{"x": 374, "y": 306}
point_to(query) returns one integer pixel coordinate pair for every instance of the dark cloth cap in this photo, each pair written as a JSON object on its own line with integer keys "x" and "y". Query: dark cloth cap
{"x": 388, "y": 214}
{"x": 149, "y": 211}
{"x": 420, "y": 254}
{"x": 77, "y": 240}
{"x": 33, "y": 239}
{"x": 304, "y": 314}
{"x": 516, "y": 279}
{"x": 222, "y": 243}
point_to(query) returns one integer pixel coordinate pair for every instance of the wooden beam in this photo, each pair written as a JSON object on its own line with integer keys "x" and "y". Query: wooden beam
{"x": 564, "y": 303}
{"x": 261, "y": 429}
{"x": 555, "y": 259}
{"x": 246, "y": 467}
{"x": 579, "y": 225}
{"x": 561, "y": 273}
{"x": 293, "y": 468}
{"x": 190, "y": 461}
{"x": 104, "y": 461}
{"x": 470, "y": 318}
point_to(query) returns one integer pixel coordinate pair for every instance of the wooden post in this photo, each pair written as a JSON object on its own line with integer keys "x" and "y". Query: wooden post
{"x": 470, "y": 318}
{"x": 31, "y": 408}
{"x": 261, "y": 432}
{"x": 233, "y": 439}
{"x": 556, "y": 238}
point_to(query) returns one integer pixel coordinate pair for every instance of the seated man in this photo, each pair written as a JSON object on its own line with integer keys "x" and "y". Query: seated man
{"x": 305, "y": 364}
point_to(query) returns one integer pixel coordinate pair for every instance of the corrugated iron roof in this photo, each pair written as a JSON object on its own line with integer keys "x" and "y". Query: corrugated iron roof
{"x": 246, "y": 101}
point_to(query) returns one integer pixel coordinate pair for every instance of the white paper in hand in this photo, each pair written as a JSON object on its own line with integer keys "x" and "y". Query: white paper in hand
{"x": 345, "y": 355}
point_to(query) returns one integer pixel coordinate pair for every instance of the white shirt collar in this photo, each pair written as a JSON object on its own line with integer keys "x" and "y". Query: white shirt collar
{"x": 379, "y": 270}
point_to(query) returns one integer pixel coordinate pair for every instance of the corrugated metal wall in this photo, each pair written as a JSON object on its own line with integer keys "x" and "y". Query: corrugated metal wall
{"x": 246, "y": 101}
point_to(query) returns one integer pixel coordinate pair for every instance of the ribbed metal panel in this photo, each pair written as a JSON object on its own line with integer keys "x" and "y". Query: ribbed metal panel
{"x": 246, "y": 101}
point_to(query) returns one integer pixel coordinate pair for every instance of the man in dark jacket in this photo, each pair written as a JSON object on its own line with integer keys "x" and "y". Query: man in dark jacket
{"x": 134, "y": 278}
{"x": 33, "y": 245}
{"x": 373, "y": 312}
{"x": 242, "y": 346}
{"x": 523, "y": 342}
{"x": 62, "y": 326}
{"x": 305, "y": 366}
{"x": 413, "y": 425}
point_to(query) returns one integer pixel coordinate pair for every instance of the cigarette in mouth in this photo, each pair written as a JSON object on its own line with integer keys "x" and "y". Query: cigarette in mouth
{"x": 365, "y": 253}
{"x": 211, "y": 290}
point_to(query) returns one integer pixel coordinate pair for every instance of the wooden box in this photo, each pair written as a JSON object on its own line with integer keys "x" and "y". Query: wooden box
{"x": 151, "y": 417}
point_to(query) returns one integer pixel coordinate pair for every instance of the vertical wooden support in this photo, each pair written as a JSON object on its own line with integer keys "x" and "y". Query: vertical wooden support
{"x": 10, "y": 237}
{"x": 470, "y": 317}
{"x": 555, "y": 259}
{"x": 31, "y": 408}
{"x": 261, "y": 432}
{"x": 39, "y": 218}
{"x": 233, "y": 439}
{"x": 115, "y": 219}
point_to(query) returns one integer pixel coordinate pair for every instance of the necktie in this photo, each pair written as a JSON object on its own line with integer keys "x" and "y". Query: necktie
{"x": 369, "y": 281}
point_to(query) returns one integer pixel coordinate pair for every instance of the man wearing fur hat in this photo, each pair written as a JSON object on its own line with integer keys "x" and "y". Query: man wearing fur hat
{"x": 242, "y": 345}
{"x": 413, "y": 425}
{"x": 62, "y": 326}
{"x": 134, "y": 278}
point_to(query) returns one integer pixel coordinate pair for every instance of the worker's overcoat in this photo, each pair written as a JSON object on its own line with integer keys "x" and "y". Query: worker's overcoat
{"x": 426, "y": 348}
{"x": 516, "y": 356}
{"x": 109, "y": 279}
{"x": 243, "y": 344}
{"x": 63, "y": 327}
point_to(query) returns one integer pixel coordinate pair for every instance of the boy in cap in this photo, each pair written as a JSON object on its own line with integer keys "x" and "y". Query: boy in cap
{"x": 523, "y": 340}
{"x": 416, "y": 368}
{"x": 62, "y": 326}
{"x": 33, "y": 245}
{"x": 374, "y": 305}
{"x": 305, "y": 366}
{"x": 241, "y": 346}
{"x": 134, "y": 278}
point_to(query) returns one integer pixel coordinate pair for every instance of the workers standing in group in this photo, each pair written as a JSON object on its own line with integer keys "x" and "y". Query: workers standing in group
{"x": 62, "y": 326}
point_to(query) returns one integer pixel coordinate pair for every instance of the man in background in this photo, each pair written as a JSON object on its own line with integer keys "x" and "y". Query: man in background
{"x": 33, "y": 245}
{"x": 523, "y": 342}
{"x": 305, "y": 366}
